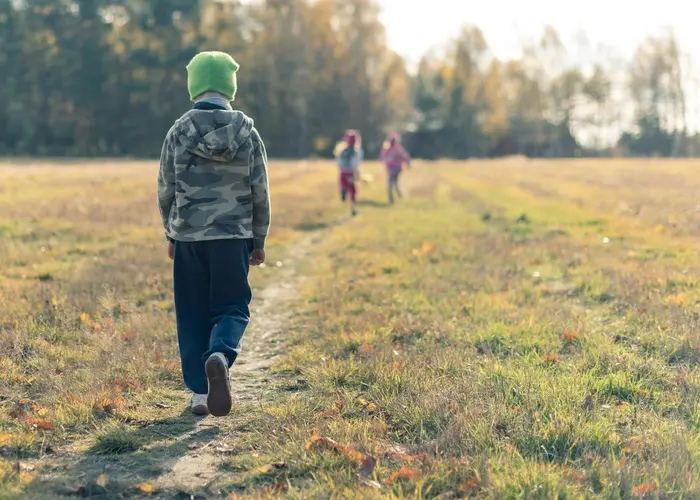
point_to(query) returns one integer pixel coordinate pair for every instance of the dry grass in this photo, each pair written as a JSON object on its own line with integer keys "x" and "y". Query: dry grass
{"x": 512, "y": 330}
{"x": 86, "y": 324}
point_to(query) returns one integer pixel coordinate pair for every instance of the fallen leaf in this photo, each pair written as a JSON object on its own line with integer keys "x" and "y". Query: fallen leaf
{"x": 643, "y": 489}
{"x": 25, "y": 476}
{"x": 44, "y": 425}
{"x": 404, "y": 473}
{"x": 5, "y": 439}
{"x": 270, "y": 468}
{"x": 365, "y": 348}
{"x": 328, "y": 413}
{"x": 428, "y": 248}
{"x": 365, "y": 461}
{"x": 339, "y": 405}
{"x": 469, "y": 485}
{"x": 145, "y": 487}
{"x": 39, "y": 410}
{"x": 552, "y": 359}
{"x": 101, "y": 480}
{"x": 371, "y": 407}
{"x": 570, "y": 337}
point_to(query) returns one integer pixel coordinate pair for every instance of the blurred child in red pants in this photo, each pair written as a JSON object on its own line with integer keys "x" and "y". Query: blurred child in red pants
{"x": 348, "y": 155}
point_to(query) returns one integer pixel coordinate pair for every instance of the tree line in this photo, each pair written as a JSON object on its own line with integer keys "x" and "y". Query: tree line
{"x": 107, "y": 78}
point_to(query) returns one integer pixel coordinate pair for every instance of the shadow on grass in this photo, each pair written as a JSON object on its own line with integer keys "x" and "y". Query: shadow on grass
{"x": 126, "y": 457}
{"x": 373, "y": 203}
{"x": 313, "y": 226}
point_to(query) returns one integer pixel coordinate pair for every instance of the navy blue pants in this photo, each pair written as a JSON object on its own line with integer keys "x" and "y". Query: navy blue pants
{"x": 212, "y": 299}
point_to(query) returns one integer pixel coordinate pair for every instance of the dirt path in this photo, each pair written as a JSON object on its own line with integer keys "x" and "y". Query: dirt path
{"x": 263, "y": 343}
{"x": 181, "y": 455}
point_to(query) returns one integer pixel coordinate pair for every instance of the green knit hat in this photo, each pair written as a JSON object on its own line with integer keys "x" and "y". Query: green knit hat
{"x": 212, "y": 72}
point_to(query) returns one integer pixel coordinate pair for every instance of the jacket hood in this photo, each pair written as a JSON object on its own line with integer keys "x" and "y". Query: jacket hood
{"x": 213, "y": 134}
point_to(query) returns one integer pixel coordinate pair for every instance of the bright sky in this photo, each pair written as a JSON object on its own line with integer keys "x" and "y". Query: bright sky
{"x": 414, "y": 25}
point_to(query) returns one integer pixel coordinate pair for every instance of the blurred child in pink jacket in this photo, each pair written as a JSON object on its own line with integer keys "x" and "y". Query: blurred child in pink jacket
{"x": 394, "y": 157}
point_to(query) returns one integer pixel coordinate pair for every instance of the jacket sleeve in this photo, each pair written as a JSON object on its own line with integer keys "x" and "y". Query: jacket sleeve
{"x": 260, "y": 191}
{"x": 166, "y": 181}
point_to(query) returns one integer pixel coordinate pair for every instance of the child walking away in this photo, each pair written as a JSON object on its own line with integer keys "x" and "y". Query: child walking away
{"x": 394, "y": 156}
{"x": 348, "y": 154}
{"x": 214, "y": 202}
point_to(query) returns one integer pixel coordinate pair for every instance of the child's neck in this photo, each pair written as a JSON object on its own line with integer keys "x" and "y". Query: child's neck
{"x": 213, "y": 98}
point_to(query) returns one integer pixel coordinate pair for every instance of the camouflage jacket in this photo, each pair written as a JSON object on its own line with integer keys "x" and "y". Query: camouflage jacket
{"x": 212, "y": 182}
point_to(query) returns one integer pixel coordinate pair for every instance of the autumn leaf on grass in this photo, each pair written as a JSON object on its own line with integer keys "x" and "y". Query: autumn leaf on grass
{"x": 634, "y": 444}
{"x": 39, "y": 410}
{"x": 101, "y": 480}
{"x": 569, "y": 337}
{"x": 366, "y": 462}
{"x": 145, "y": 487}
{"x": 677, "y": 300}
{"x": 5, "y": 439}
{"x": 643, "y": 489}
{"x": 25, "y": 476}
{"x": 44, "y": 425}
{"x": 404, "y": 473}
{"x": 428, "y": 247}
{"x": 467, "y": 486}
{"x": 331, "y": 412}
{"x": 365, "y": 348}
{"x": 551, "y": 359}
{"x": 122, "y": 385}
{"x": 369, "y": 406}
{"x": 270, "y": 468}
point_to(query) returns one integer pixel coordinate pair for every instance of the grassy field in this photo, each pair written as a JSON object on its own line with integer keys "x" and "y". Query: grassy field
{"x": 510, "y": 329}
